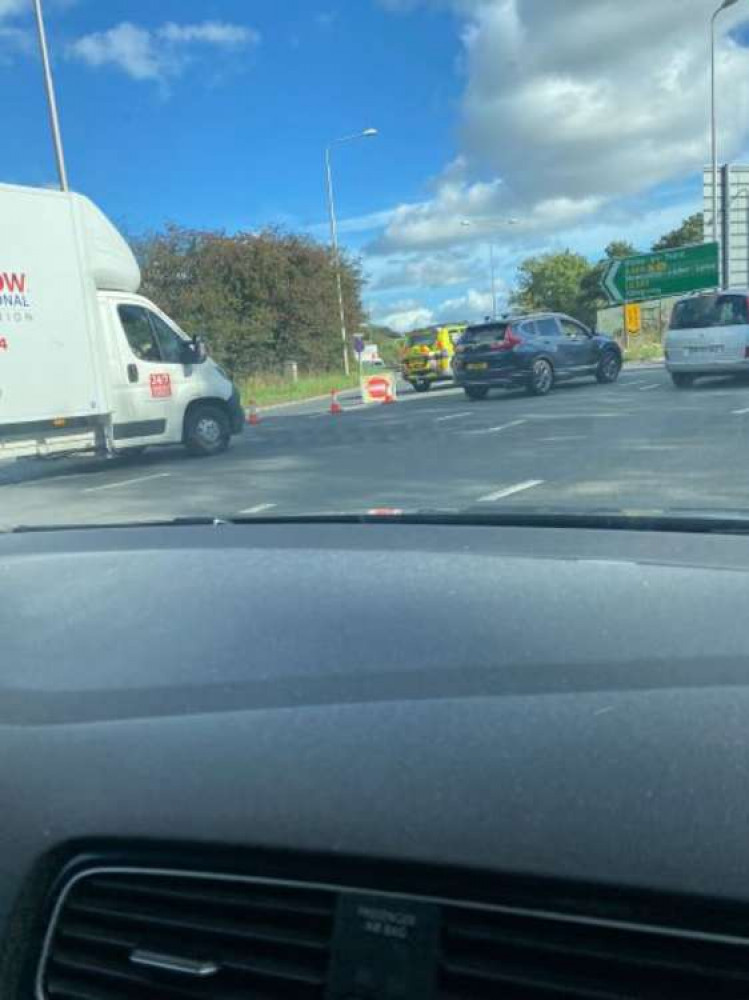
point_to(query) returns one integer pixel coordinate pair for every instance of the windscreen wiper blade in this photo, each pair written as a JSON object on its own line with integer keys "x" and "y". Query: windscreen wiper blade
{"x": 689, "y": 523}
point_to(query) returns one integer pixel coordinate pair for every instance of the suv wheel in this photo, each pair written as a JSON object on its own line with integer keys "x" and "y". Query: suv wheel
{"x": 423, "y": 385}
{"x": 542, "y": 377}
{"x": 682, "y": 380}
{"x": 609, "y": 367}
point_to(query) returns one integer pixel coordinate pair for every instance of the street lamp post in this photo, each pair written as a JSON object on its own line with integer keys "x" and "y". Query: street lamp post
{"x": 366, "y": 134}
{"x": 492, "y": 271}
{"x": 54, "y": 119}
{"x": 713, "y": 135}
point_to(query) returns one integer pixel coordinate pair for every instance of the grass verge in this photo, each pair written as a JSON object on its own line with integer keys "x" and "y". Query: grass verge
{"x": 268, "y": 389}
{"x": 644, "y": 350}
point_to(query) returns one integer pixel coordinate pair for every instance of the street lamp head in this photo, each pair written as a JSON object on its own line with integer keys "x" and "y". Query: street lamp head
{"x": 369, "y": 132}
{"x": 727, "y": 3}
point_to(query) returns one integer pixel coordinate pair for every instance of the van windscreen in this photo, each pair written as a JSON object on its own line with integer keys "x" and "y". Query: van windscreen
{"x": 709, "y": 310}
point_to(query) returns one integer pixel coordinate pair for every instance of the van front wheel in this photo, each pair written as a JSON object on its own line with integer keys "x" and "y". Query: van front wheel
{"x": 207, "y": 430}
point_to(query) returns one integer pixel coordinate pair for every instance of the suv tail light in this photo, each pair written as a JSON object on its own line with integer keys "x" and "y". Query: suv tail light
{"x": 511, "y": 339}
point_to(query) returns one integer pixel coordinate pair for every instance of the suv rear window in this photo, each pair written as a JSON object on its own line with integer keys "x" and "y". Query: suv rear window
{"x": 709, "y": 310}
{"x": 488, "y": 333}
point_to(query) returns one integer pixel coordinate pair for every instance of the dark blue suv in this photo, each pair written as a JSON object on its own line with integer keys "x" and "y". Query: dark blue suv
{"x": 534, "y": 351}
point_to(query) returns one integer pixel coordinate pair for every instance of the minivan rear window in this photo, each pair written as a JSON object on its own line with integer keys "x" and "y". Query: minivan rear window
{"x": 488, "y": 333}
{"x": 709, "y": 310}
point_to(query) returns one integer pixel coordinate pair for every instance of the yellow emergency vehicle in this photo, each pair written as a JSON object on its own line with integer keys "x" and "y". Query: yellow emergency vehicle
{"x": 427, "y": 355}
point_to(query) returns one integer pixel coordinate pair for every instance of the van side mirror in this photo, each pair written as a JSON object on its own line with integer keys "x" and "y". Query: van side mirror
{"x": 195, "y": 351}
{"x": 201, "y": 351}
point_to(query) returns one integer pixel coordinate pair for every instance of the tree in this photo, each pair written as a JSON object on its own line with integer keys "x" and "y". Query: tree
{"x": 690, "y": 231}
{"x": 258, "y": 298}
{"x": 551, "y": 282}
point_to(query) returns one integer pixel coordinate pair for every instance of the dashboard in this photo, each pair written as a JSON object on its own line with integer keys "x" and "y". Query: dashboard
{"x": 373, "y": 761}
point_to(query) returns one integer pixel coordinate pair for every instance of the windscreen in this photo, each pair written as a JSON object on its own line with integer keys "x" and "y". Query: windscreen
{"x": 423, "y": 338}
{"x": 369, "y": 217}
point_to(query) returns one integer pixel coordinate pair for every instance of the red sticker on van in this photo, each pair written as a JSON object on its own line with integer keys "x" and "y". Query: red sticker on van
{"x": 161, "y": 385}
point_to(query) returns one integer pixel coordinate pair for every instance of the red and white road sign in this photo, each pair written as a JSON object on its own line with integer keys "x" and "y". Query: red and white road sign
{"x": 378, "y": 388}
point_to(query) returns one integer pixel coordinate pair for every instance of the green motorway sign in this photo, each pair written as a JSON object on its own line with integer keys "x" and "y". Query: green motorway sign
{"x": 667, "y": 272}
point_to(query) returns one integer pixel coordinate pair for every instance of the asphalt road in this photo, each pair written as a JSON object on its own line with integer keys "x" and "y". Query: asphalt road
{"x": 638, "y": 445}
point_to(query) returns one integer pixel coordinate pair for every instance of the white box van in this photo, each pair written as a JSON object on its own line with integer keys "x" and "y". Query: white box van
{"x": 708, "y": 335}
{"x": 85, "y": 362}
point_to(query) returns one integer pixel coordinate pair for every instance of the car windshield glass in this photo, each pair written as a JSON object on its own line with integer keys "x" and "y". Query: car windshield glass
{"x": 709, "y": 310}
{"x": 422, "y": 205}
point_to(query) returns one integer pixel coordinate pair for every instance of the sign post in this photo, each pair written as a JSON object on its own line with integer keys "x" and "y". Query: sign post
{"x": 359, "y": 350}
{"x": 660, "y": 274}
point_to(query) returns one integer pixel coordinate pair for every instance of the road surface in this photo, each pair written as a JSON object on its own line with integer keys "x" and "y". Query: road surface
{"x": 639, "y": 445}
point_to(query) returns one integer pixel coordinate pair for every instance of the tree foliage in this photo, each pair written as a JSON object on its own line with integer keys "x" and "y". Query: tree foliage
{"x": 259, "y": 299}
{"x": 690, "y": 231}
{"x": 551, "y": 282}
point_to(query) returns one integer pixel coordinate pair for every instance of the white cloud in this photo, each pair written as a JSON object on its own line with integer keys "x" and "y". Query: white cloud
{"x": 210, "y": 32}
{"x": 405, "y": 316}
{"x": 570, "y": 106}
{"x": 158, "y": 54}
{"x": 435, "y": 270}
{"x": 472, "y": 307}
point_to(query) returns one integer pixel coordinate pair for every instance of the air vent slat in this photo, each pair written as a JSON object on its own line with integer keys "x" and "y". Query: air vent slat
{"x": 307, "y": 903}
{"x": 134, "y": 983}
{"x": 60, "y": 987}
{"x": 633, "y": 949}
{"x": 139, "y": 916}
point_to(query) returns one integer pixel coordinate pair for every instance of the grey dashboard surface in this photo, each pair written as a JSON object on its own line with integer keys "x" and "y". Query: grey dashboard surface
{"x": 562, "y": 703}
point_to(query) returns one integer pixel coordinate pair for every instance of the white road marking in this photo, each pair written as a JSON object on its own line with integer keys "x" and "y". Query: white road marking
{"x": 653, "y": 385}
{"x": 453, "y": 416}
{"x": 495, "y": 430}
{"x": 258, "y": 508}
{"x": 510, "y": 491}
{"x": 739, "y": 413}
{"x": 127, "y": 482}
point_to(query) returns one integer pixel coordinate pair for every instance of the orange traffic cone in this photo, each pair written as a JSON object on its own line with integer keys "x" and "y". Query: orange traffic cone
{"x": 389, "y": 397}
{"x": 335, "y": 406}
{"x": 253, "y": 417}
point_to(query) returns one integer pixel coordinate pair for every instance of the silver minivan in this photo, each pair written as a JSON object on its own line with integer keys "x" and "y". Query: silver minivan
{"x": 708, "y": 335}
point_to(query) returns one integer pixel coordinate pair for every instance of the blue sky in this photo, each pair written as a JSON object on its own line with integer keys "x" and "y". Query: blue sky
{"x": 215, "y": 113}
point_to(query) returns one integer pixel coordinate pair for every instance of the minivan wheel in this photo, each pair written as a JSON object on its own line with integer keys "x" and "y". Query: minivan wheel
{"x": 542, "y": 377}
{"x": 682, "y": 380}
{"x": 608, "y": 368}
{"x": 207, "y": 430}
{"x": 476, "y": 391}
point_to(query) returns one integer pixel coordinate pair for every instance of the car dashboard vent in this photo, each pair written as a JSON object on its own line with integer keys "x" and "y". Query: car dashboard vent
{"x": 538, "y": 956}
{"x": 138, "y": 934}
{"x": 128, "y": 936}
